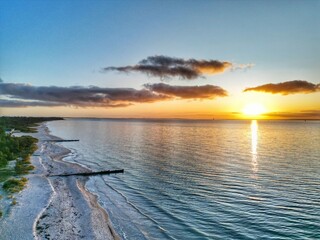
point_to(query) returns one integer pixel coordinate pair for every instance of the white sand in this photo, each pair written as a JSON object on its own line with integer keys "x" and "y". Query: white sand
{"x": 56, "y": 207}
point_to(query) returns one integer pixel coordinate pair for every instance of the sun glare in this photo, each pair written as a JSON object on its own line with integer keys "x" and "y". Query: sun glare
{"x": 254, "y": 109}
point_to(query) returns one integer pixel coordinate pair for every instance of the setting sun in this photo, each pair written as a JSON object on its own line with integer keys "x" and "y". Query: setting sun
{"x": 254, "y": 109}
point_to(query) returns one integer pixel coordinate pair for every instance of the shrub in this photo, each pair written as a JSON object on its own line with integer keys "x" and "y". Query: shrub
{"x": 14, "y": 202}
{"x": 23, "y": 166}
{"x": 13, "y": 185}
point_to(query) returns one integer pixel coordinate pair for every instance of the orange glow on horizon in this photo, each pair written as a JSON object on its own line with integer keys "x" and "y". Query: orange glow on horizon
{"x": 233, "y": 107}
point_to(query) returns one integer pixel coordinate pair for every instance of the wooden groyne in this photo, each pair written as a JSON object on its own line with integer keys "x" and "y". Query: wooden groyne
{"x": 106, "y": 172}
{"x": 62, "y": 140}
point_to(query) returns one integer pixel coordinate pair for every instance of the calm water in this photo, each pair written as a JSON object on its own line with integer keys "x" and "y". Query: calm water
{"x": 203, "y": 180}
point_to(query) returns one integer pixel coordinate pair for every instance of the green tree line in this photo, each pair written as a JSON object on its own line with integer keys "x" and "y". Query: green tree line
{"x": 24, "y": 124}
{"x": 17, "y": 148}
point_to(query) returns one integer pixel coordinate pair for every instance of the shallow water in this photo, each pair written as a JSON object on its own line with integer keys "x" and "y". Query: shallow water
{"x": 203, "y": 179}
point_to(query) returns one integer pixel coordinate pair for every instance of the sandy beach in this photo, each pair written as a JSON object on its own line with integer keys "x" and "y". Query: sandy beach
{"x": 56, "y": 207}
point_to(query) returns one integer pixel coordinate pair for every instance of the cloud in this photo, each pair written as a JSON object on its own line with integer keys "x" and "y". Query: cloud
{"x": 194, "y": 92}
{"x": 285, "y": 88}
{"x": 303, "y": 114}
{"x": 24, "y": 95}
{"x": 22, "y": 104}
{"x": 166, "y": 67}
{"x": 75, "y": 96}
{"x": 306, "y": 114}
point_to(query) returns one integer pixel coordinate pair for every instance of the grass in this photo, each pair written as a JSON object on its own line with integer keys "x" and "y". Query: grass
{"x": 14, "y": 185}
{"x": 23, "y": 166}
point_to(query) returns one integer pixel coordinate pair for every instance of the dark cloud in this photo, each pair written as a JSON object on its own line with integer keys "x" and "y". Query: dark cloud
{"x": 9, "y": 103}
{"x": 166, "y": 67}
{"x": 21, "y": 104}
{"x": 285, "y": 88}
{"x": 23, "y": 95}
{"x": 195, "y": 92}
{"x": 75, "y": 96}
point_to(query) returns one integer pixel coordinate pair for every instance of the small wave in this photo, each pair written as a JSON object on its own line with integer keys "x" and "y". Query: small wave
{"x": 139, "y": 211}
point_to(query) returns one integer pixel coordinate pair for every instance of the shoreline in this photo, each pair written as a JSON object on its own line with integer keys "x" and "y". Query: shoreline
{"x": 56, "y": 207}
{"x": 71, "y": 204}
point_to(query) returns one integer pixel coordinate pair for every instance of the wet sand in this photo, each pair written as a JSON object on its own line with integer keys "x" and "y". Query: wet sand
{"x": 62, "y": 206}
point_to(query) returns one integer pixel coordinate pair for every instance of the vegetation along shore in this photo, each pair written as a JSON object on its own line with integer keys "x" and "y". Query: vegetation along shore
{"x": 15, "y": 153}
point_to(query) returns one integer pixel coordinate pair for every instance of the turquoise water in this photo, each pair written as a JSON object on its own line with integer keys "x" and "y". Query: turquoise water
{"x": 203, "y": 179}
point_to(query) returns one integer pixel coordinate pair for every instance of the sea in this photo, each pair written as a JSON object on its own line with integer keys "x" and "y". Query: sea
{"x": 192, "y": 179}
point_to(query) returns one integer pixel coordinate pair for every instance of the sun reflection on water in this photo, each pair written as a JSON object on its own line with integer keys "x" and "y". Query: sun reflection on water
{"x": 254, "y": 145}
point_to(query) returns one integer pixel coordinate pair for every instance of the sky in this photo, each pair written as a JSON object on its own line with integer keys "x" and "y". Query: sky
{"x": 160, "y": 59}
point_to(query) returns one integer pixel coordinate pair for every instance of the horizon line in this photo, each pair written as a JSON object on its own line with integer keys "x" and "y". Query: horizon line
{"x": 172, "y": 119}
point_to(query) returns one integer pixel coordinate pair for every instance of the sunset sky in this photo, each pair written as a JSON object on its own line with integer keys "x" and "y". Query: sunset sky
{"x": 160, "y": 59}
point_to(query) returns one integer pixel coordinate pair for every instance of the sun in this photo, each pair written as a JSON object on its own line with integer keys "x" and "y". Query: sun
{"x": 254, "y": 109}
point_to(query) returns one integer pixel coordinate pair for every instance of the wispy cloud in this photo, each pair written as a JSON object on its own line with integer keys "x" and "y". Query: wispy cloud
{"x": 195, "y": 92}
{"x": 24, "y": 95}
{"x": 166, "y": 67}
{"x": 286, "y": 88}
{"x": 306, "y": 114}
{"x": 21, "y": 104}
{"x": 303, "y": 114}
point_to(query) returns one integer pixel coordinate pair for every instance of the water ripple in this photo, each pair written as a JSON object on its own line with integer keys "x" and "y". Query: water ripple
{"x": 203, "y": 180}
